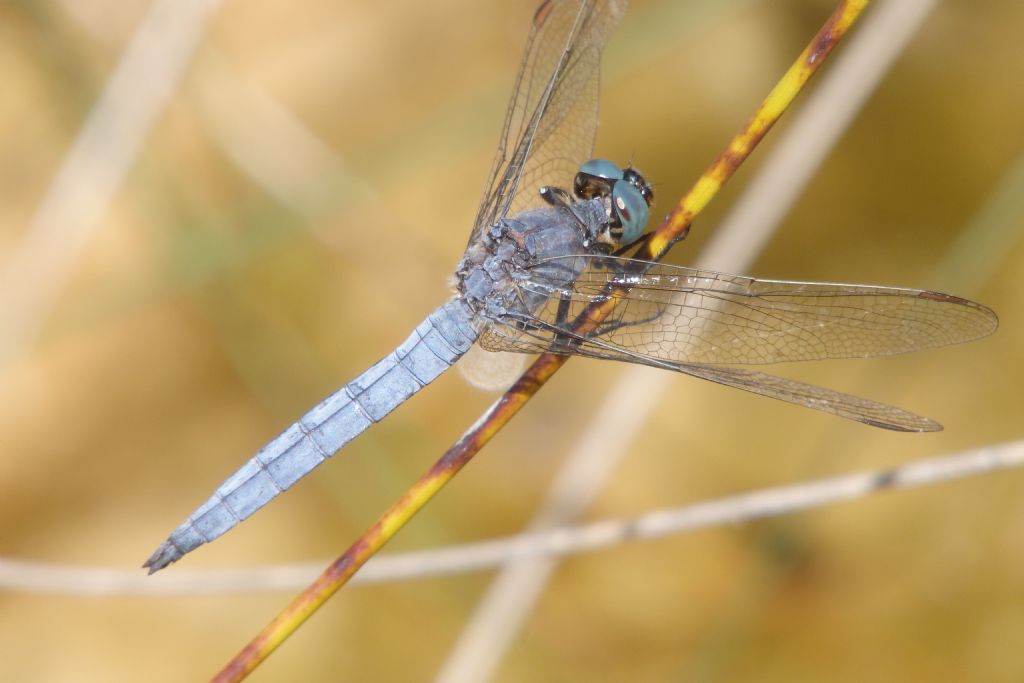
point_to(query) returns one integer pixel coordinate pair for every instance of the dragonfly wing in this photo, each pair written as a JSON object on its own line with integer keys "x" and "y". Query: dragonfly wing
{"x": 679, "y": 314}
{"x": 692, "y": 321}
{"x": 809, "y": 396}
{"x": 552, "y": 118}
{"x": 532, "y": 339}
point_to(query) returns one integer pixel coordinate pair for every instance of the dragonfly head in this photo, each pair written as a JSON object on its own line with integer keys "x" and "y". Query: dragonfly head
{"x": 629, "y": 195}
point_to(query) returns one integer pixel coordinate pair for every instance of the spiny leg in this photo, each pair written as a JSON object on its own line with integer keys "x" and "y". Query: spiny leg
{"x": 639, "y": 241}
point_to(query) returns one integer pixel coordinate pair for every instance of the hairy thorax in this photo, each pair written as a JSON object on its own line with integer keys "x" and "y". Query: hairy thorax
{"x": 550, "y": 244}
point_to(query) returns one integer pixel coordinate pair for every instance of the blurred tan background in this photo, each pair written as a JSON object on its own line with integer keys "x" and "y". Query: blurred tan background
{"x": 297, "y": 207}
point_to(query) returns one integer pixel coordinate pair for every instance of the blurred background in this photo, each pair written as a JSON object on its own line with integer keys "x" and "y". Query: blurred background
{"x": 198, "y": 248}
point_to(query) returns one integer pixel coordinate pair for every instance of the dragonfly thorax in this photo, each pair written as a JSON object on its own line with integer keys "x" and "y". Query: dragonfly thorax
{"x": 537, "y": 241}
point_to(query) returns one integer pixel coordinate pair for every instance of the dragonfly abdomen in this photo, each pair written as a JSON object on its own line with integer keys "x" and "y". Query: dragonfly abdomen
{"x": 432, "y": 348}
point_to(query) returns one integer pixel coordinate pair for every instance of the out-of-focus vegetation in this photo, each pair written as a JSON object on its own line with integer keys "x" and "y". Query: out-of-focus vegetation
{"x": 296, "y": 210}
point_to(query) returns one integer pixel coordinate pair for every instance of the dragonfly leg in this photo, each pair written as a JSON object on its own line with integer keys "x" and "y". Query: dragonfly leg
{"x": 641, "y": 240}
{"x": 562, "y": 314}
{"x": 608, "y": 327}
{"x": 561, "y": 340}
{"x": 556, "y": 196}
{"x": 612, "y": 324}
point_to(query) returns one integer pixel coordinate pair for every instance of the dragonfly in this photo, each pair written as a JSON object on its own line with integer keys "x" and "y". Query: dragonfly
{"x": 540, "y": 257}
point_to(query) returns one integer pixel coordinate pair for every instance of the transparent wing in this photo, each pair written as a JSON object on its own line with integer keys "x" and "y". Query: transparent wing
{"x": 692, "y": 320}
{"x": 684, "y": 314}
{"x": 552, "y": 118}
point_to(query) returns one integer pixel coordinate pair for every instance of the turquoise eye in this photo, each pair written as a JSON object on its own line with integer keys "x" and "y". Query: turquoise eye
{"x": 595, "y": 179}
{"x": 602, "y": 168}
{"x": 631, "y": 210}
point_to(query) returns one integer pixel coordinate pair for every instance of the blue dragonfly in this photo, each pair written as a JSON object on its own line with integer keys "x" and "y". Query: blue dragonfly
{"x": 539, "y": 255}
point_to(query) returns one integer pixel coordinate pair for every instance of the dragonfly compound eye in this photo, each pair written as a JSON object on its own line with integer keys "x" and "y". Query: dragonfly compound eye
{"x": 595, "y": 179}
{"x": 630, "y": 210}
